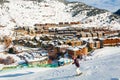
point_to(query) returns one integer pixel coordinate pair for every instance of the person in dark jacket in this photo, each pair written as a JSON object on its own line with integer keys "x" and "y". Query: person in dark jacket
{"x": 76, "y": 62}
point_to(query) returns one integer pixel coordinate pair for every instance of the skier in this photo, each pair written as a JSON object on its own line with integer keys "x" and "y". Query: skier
{"x": 76, "y": 62}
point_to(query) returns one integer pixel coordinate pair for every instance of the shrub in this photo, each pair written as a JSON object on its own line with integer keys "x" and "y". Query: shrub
{"x": 11, "y": 50}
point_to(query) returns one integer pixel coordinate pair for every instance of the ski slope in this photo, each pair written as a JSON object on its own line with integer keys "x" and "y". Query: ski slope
{"x": 102, "y": 65}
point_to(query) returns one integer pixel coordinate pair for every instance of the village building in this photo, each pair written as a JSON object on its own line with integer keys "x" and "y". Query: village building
{"x": 91, "y": 44}
{"x": 76, "y": 51}
{"x": 99, "y": 34}
{"x": 61, "y": 48}
{"x": 82, "y": 34}
{"x": 94, "y": 35}
{"x": 74, "y": 42}
{"x": 41, "y": 61}
{"x": 111, "y": 41}
{"x": 97, "y": 44}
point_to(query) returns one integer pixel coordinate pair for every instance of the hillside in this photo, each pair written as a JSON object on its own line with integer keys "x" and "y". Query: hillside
{"x": 117, "y": 12}
{"x": 30, "y": 12}
{"x": 94, "y": 17}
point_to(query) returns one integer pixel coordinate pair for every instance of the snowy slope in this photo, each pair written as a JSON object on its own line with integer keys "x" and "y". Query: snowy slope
{"x": 104, "y": 65}
{"x": 27, "y": 13}
{"x": 30, "y": 12}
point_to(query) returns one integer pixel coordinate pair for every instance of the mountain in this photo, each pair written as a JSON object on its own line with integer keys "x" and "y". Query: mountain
{"x": 92, "y": 16}
{"x": 111, "y": 5}
{"x": 117, "y": 12}
{"x": 30, "y": 12}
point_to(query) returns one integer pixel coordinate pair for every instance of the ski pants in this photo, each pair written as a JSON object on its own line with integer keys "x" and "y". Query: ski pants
{"x": 78, "y": 71}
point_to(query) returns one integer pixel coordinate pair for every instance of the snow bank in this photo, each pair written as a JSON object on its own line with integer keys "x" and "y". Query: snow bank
{"x": 107, "y": 51}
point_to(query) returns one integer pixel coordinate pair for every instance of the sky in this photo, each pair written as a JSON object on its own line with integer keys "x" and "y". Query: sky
{"x": 111, "y": 5}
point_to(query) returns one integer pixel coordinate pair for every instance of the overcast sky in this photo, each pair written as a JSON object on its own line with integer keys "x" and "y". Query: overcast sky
{"x": 111, "y": 5}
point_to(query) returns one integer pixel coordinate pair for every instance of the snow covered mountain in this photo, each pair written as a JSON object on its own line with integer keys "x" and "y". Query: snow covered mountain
{"x": 117, "y": 12}
{"x": 30, "y": 12}
{"x": 92, "y": 17}
{"x": 111, "y": 5}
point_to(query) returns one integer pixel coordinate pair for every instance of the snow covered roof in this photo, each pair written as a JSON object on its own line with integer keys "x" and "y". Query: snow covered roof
{"x": 42, "y": 58}
{"x": 73, "y": 48}
{"x": 90, "y": 41}
{"x": 62, "y": 46}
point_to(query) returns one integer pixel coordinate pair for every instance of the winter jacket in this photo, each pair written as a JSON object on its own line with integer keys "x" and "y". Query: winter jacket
{"x": 76, "y": 62}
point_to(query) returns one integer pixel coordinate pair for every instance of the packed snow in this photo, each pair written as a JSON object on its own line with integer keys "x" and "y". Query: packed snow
{"x": 102, "y": 65}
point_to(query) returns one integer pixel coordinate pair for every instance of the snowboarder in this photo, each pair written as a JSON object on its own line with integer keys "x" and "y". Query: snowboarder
{"x": 76, "y": 62}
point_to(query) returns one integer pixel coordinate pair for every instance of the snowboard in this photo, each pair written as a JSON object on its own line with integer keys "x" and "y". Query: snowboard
{"x": 78, "y": 74}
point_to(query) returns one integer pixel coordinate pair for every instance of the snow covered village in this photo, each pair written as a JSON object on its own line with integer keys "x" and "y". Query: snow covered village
{"x": 58, "y": 40}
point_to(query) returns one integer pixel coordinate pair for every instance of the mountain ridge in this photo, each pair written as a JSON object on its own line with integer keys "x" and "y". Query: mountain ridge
{"x": 117, "y": 12}
{"x": 51, "y": 11}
